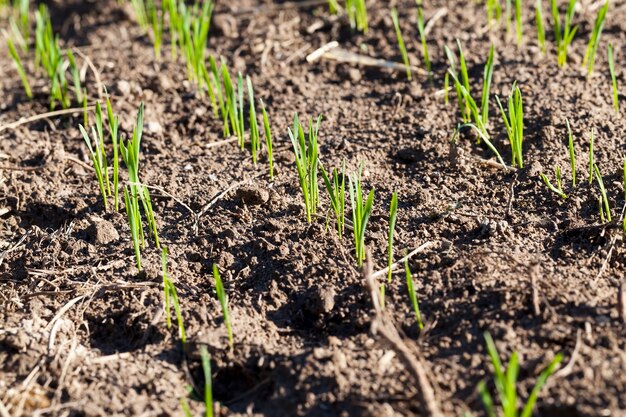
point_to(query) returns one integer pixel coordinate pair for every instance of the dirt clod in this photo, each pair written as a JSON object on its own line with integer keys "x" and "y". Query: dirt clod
{"x": 101, "y": 231}
{"x": 253, "y": 195}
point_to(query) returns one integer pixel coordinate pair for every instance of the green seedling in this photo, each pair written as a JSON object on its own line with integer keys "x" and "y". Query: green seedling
{"x": 514, "y": 124}
{"x": 16, "y": 35}
{"x": 139, "y": 8}
{"x": 452, "y": 69}
{"x": 170, "y": 297}
{"x": 485, "y": 139}
{"x": 211, "y": 84}
{"x": 208, "y": 381}
{"x": 393, "y": 214}
{"x": 605, "y": 210}
{"x": 487, "y": 75}
{"x": 196, "y": 34}
{"x": 307, "y": 162}
{"x": 85, "y": 111}
{"x": 98, "y": 152}
{"x": 572, "y": 154}
{"x": 591, "y": 160}
{"x": 23, "y": 7}
{"x": 98, "y": 157}
{"x": 422, "y": 32}
{"x": 592, "y": 47}
{"x": 401, "y": 46}
{"x": 218, "y": 97}
{"x": 184, "y": 404}
{"x": 357, "y": 14}
{"x": 54, "y": 61}
{"x": 505, "y": 379}
{"x": 157, "y": 23}
{"x": 469, "y": 108}
{"x": 336, "y": 188}
{"x": 255, "y": 143}
{"x": 20, "y": 68}
{"x": 518, "y": 21}
{"x": 232, "y": 110}
{"x": 48, "y": 54}
{"x": 223, "y": 299}
{"x": 134, "y": 222}
{"x": 559, "y": 187}
{"x": 541, "y": 33}
{"x": 333, "y": 6}
{"x": 188, "y": 26}
{"x": 412, "y": 294}
{"x": 563, "y": 34}
{"x": 462, "y": 74}
{"x": 241, "y": 128}
{"x": 494, "y": 11}
{"x": 361, "y": 211}
{"x": 113, "y": 130}
{"x": 130, "y": 156}
{"x": 75, "y": 76}
{"x": 613, "y": 78}
{"x": 268, "y": 141}
{"x": 507, "y": 16}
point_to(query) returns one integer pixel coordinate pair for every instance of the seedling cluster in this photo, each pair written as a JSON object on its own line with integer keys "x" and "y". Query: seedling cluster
{"x": 49, "y": 57}
{"x": 233, "y": 101}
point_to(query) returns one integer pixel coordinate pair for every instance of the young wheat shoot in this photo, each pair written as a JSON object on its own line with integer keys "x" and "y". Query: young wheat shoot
{"x": 208, "y": 381}
{"x": 412, "y": 294}
{"x": 268, "y": 141}
{"x": 505, "y": 379}
{"x": 514, "y": 124}
{"x": 611, "y": 60}
{"x": 223, "y": 299}
{"x": 401, "y": 46}
{"x": 422, "y": 32}
{"x": 541, "y": 33}
{"x": 361, "y": 211}
{"x": 337, "y": 193}
{"x": 171, "y": 297}
{"x": 605, "y": 209}
{"x": 255, "y": 143}
{"x": 592, "y": 47}
{"x": 307, "y": 163}
{"x": 518, "y": 21}
{"x": 20, "y": 68}
{"x": 563, "y": 34}
{"x": 558, "y": 189}
{"x": 572, "y": 154}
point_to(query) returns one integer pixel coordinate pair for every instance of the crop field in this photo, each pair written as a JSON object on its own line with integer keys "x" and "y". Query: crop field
{"x": 313, "y": 208}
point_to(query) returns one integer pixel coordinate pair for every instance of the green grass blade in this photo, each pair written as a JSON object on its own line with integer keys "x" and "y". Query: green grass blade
{"x": 223, "y": 299}
{"x": 543, "y": 377}
{"x": 401, "y": 46}
{"x": 208, "y": 381}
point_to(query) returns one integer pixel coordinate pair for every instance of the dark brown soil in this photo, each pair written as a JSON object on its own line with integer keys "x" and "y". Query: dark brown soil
{"x": 82, "y": 333}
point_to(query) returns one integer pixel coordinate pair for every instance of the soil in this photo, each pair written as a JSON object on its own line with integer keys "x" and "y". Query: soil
{"x": 83, "y": 333}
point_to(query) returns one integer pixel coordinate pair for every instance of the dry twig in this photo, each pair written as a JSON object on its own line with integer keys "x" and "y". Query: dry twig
{"x": 382, "y": 325}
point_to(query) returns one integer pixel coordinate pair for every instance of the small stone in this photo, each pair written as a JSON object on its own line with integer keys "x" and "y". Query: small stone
{"x": 123, "y": 87}
{"x": 153, "y": 127}
{"x": 322, "y": 301}
{"x": 102, "y": 232}
{"x": 253, "y": 195}
{"x": 355, "y": 75}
